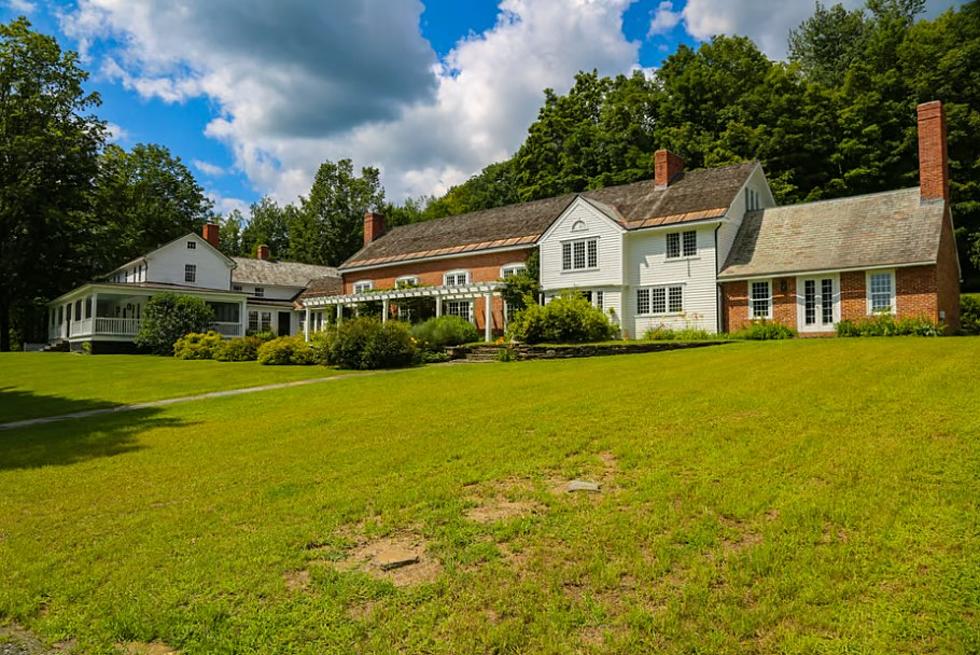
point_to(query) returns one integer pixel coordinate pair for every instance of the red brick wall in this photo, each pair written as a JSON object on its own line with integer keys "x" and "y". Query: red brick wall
{"x": 482, "y": 268}
{"x": 735, "y": 303}
{"x": 853, "y": 295}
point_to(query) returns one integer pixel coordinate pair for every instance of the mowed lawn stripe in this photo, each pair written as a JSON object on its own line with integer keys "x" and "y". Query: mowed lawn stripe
{"x": 811, "y": 496}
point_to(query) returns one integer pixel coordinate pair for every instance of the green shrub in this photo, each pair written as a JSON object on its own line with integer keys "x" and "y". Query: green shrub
{"x": 263, "y": 336}
{"x": 568, "y": 318}
{"x": 970, "y": 314}
{"x": 664, "y": 333}
{"x": 320, "y": 343}
{"x": 283, "y": 351}
{"x": 198, "y": 345}
{"x": 763, "y": 330}
{"x": 169, "y": 316}
{"x": 367, "y": 343}
{"x": 239, "y": 350}
{"x": 886, "y": 325}
{"x": 437, "y": 333}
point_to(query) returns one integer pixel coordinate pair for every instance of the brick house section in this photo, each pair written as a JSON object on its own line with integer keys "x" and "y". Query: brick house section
{"x": 735, "y": 303}
{"x": 482, "y": 268}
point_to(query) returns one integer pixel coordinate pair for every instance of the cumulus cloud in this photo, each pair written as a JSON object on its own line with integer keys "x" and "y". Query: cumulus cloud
{"x": 21, "y": 6}
{"x": 295, "y": 82}
{"x": 766, "y": 23}
{"x": 117, "y": 132}
{"x": 664, "y": 18}
{"x": 209, "y": 169}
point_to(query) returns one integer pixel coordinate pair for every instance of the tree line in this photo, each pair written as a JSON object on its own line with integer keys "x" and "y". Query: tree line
{"x": 836, "y": 119}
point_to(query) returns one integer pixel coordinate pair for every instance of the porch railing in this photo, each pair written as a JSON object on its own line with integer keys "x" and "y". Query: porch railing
{"x": 124, "y": 327}
{"x": 121, "y": 327}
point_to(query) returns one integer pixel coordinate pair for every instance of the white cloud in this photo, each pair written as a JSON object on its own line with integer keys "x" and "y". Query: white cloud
{"x": 209, "y": 169}
{"x": 225, "y": 205}
{"x": 766, "y": 23}
{"x": 21, "y": 6}
{"x": 664, "y": 18}
{"x": 117, "y": 133}
{"x": 296, "y": 82}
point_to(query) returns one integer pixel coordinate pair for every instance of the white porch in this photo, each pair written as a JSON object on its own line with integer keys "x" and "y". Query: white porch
{"x": 445, "y": 298}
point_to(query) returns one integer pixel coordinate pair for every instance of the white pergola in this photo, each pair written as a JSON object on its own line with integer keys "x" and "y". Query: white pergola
{"x": 486, "y": 290}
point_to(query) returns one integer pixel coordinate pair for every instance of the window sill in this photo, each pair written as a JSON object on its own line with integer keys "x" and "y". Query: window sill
{"x": 580, "y": 270}
{"x": 681, "y": 259}
{"x": 667, "y": 315}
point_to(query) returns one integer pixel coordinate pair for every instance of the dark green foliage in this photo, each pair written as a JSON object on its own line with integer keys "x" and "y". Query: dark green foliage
{"x": 245, "y": 349}
{"x": 763, "y": 330}
{"x": 970, "y": 314}
{"x": 437, "y": 333}
{"x": 268, "y": 225}
{"x": 523, "y": 289}
{"x": 198, "y": 345}
{"x": 169, "y": 316}
{"x": 663, "y": 333}
{"x": 569, "y": 318}
{"x": 230, "y": 233}
{"x": 367, "y": 343}
{"x": 320, "y": 343}
{"x": 886, "y": 325}
{"x": 283, "y": 351}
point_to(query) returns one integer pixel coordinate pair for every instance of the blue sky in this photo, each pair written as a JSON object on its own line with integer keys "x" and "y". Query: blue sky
{"x": 253, "y": 95}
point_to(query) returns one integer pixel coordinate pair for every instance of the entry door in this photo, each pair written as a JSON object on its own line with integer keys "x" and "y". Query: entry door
{"x": 283, "y": 326}
{"x": 819, "y": 303}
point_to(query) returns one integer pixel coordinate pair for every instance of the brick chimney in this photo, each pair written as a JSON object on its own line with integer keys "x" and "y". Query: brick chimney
{"x": 210, "y": 233}
{"x": 666, "y": 167}
{"x": 262, "y": 252}
{"x": 374, "y": 226}
{"x": 933, "y": 159}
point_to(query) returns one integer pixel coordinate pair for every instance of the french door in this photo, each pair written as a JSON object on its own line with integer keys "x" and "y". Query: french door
{"x": 818, "y": 303}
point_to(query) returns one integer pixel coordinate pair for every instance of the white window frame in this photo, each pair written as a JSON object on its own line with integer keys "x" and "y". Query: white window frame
{"x": 258, "y": 292}
{"x": 192, "y": 245}
{"x": 680, "y": 245}
{"x": 666, "y": 288}
{"x": 751, "y": 298}
{"x": 456, "y": 274}
{"x": 513, "y": 268}
{"x": 570, "y": 245}
{"x": 468, "y": 301}
{"x": 363, "y": 285}
{"x": 190, "y": 273}
{"x": 893, "y": 309}
{"x": 412, "y": 280}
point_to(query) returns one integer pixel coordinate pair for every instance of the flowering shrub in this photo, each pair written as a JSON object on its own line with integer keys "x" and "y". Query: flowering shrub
{"x": 198, "y": 345}
{"x": 286, "y": 350}
{"x": 239, "y": 350}
{"x": 569, "y": 318}
{"x": 886, "y": 325}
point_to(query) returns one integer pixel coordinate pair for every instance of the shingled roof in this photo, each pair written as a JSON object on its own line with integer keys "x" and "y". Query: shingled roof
{"x": 694, "y": 195}
{"x": 881, "y": 229}
{"x": 324, "y": 286}
{"x": 273, "y": 273}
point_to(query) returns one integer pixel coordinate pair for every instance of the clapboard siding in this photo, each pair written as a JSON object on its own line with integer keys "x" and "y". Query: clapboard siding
{"x": 167, "y": 264}
{"x": 610, "y": 240}
{"x": 729, "y": 229}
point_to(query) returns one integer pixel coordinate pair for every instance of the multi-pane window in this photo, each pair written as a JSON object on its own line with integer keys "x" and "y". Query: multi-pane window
{"x": 266, "y": 321}
{"x": 511, "y": 270}
{"x": 236, "y": 287}
{"x": 363, "y": 286}
{"x": 190, "y": 272}
{"x": 827, "y": 300}
{"x": 809, "y": 302}
{"x": 253, "y": 321}
{"x": 761, "y": 299}
{"x": 598, "y": 299}
{"x": 456, "y": 278}
{"x": 192, "y": 245}
{"x": 679, "y": 243}
{"x": 882, "y": 291}
{"x": 406, "y": 282}
{"x": 660, "y": 300}
{"x": 578, "y": 255}
{"x": 259, "y": 292}
{"x": 461, "y": 308}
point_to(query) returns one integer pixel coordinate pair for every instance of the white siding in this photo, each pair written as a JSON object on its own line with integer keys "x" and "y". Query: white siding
{"x": 610, "y": 254}
{"x": 647, "y": 266}
{"x": 726, "y": 235}
{"x": 269, "y": 291}
{"x": 167, "y": 265}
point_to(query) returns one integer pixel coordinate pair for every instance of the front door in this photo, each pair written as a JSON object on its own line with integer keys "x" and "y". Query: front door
{"x": 818, "y": 304}
{"x": 283, "y": 326}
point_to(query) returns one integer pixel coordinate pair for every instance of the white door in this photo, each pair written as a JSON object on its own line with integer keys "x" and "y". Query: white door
{"x": 818, "y": 303}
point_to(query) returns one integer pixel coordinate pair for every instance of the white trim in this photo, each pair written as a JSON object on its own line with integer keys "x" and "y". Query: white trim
{"x": 470, "y": 253}
{"x": 822, "y": 271}
{"x": 456, "y": 272}
{"x": 413, "y": 279}
{"x": 894, "y": 291}
{"x": 680, "y": 232}
{"x": 819, "y": 325}
{"x": 510, "y": 266}
{"x": 361, "y": 283}
{"x": 667, "y": 311}
{"x": 579, "y": 200}
{"x": 752, "y": 316}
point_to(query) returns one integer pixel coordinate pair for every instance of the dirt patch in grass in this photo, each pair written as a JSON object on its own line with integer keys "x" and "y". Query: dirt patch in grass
{"x": 402, "y": 559}
{"x": 362, "y": 611}
{"x": 501, "y": 509}
{"x": 146, "y": 648}
{"x": 296, "y": 580}
{"x": 743, "y": 539}
{"x": 16, "y": 640}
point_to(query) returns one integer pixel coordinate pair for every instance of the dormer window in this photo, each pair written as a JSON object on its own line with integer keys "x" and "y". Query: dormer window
{"x": 259, "y": 292}
{"x": 510, "y": 270}
{"x": 192, "y": 245}
{"x": 407, "y": 282}
{"x": 579, "y": 226}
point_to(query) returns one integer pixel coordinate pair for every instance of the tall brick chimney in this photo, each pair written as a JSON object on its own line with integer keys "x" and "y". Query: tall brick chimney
{"x": 262, "y": 252}
{"x": 933, "y": 159}
{"x": 210, "y": 233}
{"x": 666, "y": 167}
{"x": 374, "y": 226}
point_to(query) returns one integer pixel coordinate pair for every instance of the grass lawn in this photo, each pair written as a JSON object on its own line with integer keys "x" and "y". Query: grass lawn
{"x": 45, "y": 384}
{"x": 813, "y": 496}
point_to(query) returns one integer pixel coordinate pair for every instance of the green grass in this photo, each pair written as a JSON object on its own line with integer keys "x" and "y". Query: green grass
{"x": 45, "y": 384}
{"x": 811, "y": 496}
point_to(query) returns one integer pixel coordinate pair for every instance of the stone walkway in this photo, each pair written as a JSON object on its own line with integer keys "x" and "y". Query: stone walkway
{"x": 183, "y": 399}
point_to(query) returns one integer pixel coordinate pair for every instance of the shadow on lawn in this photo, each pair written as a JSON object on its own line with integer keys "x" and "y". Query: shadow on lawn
{"x": 18, "y": 404}
{"x": 75, "y": 440}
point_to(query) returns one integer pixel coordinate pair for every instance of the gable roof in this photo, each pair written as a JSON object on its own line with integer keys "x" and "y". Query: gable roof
{"x": 324, "y": 286}
{"x": 273, "y": 273}
{"x": 694, "y": 195}
{"x": 229, "y": 261}
{"x": 880, "y": 229}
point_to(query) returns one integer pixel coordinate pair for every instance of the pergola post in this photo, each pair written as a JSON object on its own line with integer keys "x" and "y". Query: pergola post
{"x": 438, "y": 306}
{"x": 384, "y": 310}
{"x": 340, "y": 313}
{"x": 243, "y": 318}
{"x": 488, "y": 316}
{"x": 306, "y": 325}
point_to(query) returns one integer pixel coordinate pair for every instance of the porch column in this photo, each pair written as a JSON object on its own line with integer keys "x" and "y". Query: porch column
{"x": 306, "y": 325}
{"x": 438, "y": 305}
{"x": 243, "y": 318}
{"x": 95, "y": 310}
{"x": 340, "y": 313}
{"x": 488, "y": 316}
{"x": 384, "y": 310}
